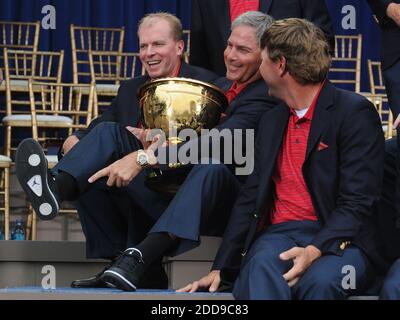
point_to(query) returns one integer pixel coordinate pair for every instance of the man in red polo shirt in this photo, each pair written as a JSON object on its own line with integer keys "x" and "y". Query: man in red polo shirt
{"x": 302, "y": 227}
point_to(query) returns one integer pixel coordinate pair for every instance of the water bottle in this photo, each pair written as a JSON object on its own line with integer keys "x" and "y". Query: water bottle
{"x": 19, "y": 232}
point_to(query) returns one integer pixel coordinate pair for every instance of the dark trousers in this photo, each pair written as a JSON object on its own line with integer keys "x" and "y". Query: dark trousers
{"x": 389, "y": 220}
{"x": 388, "y": 217}
{"x": 261, "y": 274}
{"x": 391, "y": 286}
{"x": 116, "y": 218}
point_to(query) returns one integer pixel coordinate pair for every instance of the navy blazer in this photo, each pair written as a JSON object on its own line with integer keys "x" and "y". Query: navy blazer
{"x": 244, "y": 112}
{"x": 344, "y": 179}
{"x": 125, "y": 108}
{"x": 211, "y": 26}
{"x": 390, "y": 51}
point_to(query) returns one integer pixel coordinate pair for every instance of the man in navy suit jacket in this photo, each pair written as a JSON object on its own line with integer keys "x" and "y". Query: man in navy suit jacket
{"x": 94, "y": 206}
{"x": 211, "y": 22}
{"x": 202, "y": 203}
{"x": 304, "y": 219}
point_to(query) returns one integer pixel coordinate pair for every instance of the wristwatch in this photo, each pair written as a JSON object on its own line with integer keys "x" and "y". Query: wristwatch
{"x": 142, "y": 159}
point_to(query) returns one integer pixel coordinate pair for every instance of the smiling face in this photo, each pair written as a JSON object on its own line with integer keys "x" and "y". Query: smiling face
{"x": 242, "y": 55}
{"x": 159, "y": 52}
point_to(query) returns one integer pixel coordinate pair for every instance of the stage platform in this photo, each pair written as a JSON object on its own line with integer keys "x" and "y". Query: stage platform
{"x": 26, "y": 263}
{"x": 37, "y": 293}
{"x": 24, "y": 266}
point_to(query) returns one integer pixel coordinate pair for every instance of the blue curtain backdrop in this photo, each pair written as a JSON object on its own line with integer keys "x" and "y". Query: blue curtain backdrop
{"x": 116, "y": 13}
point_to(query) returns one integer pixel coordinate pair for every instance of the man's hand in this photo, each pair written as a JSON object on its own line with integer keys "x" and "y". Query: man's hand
{"x": 69, "y": 143}
{"x": 210, "y": 282}
{"x": 120, "y": 173}
{"x": 123, "y": 171}
{"x": 302, "y": 259}
{"x": 393, "y": 12}
{"x": 141, "y": 135}
{"x": 145, "y": 137}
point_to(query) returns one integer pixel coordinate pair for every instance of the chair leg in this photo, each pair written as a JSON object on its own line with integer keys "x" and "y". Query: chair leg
{"x": 34, "y": 219}
{"x": 6, "y": 203}
{"x": 8, "y": 141}
{"x": 28, "y": 231}
{"x": 95, "y": 106}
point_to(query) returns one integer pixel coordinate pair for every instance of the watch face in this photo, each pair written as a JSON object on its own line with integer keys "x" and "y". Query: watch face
{"x": 142, "y": 159}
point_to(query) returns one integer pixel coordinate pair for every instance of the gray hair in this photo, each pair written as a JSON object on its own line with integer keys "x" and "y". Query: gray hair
{"x": 255, "y": 19}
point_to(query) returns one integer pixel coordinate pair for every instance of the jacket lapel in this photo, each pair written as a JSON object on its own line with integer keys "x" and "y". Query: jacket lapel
{"x": 184, "y": 71}
{"x": 272, "y": 142}
{"x": 320, "y": 117}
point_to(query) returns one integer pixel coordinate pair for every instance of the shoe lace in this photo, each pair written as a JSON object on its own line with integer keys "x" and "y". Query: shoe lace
{"x": 129, "y": 260}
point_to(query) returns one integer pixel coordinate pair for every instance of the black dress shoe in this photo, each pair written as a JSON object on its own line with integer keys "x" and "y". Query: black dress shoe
{"x": 93, "y": 282}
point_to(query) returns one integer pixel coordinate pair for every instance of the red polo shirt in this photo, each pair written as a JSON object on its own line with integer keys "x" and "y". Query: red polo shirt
{"x": 231, "y": 94}
{"x": 234, "y": 90}
{"x": 292, "y": 199}
{"x": 237, "y": 7}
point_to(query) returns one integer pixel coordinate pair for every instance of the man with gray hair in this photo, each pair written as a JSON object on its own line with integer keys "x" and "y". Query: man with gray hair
{"x": 202, "y": 204}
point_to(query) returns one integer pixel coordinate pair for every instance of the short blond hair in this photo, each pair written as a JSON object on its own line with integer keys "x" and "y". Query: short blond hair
{"x": 174, "y": 22}
{"x": 303, "y": 45}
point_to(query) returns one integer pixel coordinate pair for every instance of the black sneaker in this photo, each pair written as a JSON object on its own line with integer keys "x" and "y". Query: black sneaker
{"x": 126, "y": 272}
{"x": 38, "y": 184}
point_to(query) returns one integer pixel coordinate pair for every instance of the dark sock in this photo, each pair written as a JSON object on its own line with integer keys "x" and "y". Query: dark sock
{"x": 67, "y": 187}
{"x": 155, "y": 245}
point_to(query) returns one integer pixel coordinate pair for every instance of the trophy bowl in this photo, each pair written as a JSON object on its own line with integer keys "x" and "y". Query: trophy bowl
{"x": 174, "y": 104}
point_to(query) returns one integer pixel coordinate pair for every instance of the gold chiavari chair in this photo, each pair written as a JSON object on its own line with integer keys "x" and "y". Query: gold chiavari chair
{"x": 20, "y": 67}
{"x": 380, "y": 102}
{"x": 85, "y": 39}
{"x": 186, "y": 38}
{"x": 345, "y": 69}
{"x": 5, "y": 164}
{"x": 107, "y": 70}
{"x": 378, "y": 92}
{"x": 375, "y": 77}
{"x": 17, "y": 36}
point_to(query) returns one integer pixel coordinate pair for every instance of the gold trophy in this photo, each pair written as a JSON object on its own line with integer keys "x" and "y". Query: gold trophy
{"x": 174, "y": 104}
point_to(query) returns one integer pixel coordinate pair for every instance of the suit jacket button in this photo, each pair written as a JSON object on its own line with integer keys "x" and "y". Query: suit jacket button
{"x": 255, "y": 215}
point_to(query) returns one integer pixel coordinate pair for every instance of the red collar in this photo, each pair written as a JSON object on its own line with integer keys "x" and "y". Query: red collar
{"x": 237, "y": 88}
{"x": 178, "y": 69}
